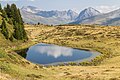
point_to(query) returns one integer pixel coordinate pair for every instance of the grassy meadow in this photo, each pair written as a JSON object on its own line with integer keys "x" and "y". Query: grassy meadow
{"x": 104, "y": 39}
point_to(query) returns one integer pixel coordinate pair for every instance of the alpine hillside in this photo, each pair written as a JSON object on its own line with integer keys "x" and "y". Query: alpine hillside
{"x": 85, "y": 14}
{"x": 111, "y": 18}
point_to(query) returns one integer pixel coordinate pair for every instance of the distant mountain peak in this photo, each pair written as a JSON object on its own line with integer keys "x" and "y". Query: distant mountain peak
{"x": 31, "y": 9}
{"x": 90, "y": 9}
{"x": 70, "y": 10}
{"x": 86, "y": 13}
{"x": 89, "y": 15}
{"x": 47, "y": 17}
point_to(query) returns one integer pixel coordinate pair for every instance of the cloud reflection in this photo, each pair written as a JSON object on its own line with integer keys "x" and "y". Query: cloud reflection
{"x": 53, "y": 50}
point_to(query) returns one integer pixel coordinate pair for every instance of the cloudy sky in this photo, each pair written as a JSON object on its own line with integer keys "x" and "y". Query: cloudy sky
{"x": 77, "y": 5}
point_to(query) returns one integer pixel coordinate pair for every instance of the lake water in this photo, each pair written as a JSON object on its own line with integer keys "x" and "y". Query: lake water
{"x": 53, "y": 54}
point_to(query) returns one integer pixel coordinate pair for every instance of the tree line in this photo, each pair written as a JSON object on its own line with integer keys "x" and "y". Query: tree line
{"x": 11, "y": 15}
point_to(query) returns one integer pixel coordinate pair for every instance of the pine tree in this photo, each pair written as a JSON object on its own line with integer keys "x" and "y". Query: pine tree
{"x": 4, "y": 15}
{"x": 13, "y": 17}
{"x": 15, "y": 14}
{"x": 0, "y": 8}
{"x": 18, "y": 24}
{"x": 4, "y": 30}
{"x": 20, "y": 17}
{"x": 10, "y": 21}
{"x": 17, "y": 32}
{"x": 8, "y": 11}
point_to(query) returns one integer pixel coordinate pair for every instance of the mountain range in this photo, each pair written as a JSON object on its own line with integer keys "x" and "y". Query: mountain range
{"x": 89, "y": 15}
{"x": 111, "y": 18}
{"x": 34, "y": 15}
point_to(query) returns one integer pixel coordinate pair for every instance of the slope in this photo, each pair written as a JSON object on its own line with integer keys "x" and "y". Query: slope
{"x": 13, "y": 66}
{"x": 86, "y": 14}
{"x": 47, "y": 17}
{"x": 111, "y": 18}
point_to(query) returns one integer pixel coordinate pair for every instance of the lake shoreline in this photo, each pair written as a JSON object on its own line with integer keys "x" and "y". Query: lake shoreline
{"x": 88, "y": 59}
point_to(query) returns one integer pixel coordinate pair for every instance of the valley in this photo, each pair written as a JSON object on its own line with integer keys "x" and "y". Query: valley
{"x": 17, "y": 35}
{"x": 105, "y": 67}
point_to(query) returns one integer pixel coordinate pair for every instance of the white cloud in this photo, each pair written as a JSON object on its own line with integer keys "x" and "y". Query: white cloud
{"x": 55, "y": 51}
{"x": 106, "y": 9}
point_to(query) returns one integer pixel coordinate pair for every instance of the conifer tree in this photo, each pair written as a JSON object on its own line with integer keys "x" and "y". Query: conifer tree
{"x": 20, "y": 17}
{"x": 10, "y": 21}
{"x": 18, "y": 23}
{"x": 15, "y": 14}
{"x": 13, "y": 17}
{"x": 17, "y": 32}
{"x": 4, "y": 30}
{"x": 0, "y": 8}
{"x": 8, "y": 11}
{"x": 4, "y": 15}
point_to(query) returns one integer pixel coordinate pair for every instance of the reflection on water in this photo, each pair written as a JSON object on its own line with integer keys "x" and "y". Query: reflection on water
{"x": 47, "y": 53}
{"x": 53, "y": 50}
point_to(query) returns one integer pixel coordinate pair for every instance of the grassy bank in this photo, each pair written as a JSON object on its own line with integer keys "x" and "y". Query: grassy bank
{"x": 104, "y": 39}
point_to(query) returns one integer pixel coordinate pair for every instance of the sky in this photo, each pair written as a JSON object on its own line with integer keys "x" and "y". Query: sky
{"x": 103, "y": 6}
